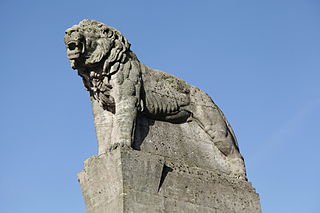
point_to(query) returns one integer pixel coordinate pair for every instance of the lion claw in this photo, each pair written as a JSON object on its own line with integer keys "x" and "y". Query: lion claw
{"x": 119, "y": 144}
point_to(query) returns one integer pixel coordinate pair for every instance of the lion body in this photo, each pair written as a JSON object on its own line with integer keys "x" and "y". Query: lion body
{"x": 122, "y": 88}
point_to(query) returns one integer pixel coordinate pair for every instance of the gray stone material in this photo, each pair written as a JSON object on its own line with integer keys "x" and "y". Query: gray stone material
{"x": 126, "y": 180}
{"x": 163, "y": 144}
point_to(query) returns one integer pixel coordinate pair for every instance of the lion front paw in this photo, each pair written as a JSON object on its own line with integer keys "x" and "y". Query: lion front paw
{"x": 121, "y": 143}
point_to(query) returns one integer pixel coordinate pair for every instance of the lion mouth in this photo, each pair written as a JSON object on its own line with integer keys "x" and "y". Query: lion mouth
{"x": 74, "y": 49}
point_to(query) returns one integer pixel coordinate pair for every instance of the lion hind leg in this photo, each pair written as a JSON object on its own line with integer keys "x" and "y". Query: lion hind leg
{"x": 211, "y": 121}
{"x": 222, "y": 139}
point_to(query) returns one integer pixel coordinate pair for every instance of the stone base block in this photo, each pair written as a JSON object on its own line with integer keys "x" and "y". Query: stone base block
{"x": 130, "y": 181}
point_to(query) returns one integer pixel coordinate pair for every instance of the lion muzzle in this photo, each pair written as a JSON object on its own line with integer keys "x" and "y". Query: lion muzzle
{"x": 75, "y": 49}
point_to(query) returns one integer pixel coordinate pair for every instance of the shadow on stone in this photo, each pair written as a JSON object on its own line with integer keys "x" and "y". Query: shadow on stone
{"x": 165, "y": 170}
{"x": 141, "y": 131}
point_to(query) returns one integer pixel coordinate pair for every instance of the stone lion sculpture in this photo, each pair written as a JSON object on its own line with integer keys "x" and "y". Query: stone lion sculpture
{"x": 124, "y": 88}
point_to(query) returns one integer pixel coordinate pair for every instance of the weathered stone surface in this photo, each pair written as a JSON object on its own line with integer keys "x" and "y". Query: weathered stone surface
{"x": 163, "y": 145}
{"x": 144, "y": 187}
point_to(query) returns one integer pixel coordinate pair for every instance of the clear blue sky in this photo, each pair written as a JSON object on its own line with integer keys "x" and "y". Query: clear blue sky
{"x": 259, "y": 61}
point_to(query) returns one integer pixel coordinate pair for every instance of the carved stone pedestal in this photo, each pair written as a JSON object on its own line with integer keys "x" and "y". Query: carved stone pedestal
{"x": 174, "y": 169}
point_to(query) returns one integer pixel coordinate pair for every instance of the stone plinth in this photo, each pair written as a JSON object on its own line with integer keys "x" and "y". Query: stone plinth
{"x": 172, "y": 168}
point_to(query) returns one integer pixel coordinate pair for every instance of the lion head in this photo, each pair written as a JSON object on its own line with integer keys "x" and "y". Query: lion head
{"x": 91, "y": 44}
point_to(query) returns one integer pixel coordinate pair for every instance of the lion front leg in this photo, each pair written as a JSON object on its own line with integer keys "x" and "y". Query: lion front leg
{"x": 103, "y": 121}
{"x": 125, "y": 117}
{"x": 124, "y": 124}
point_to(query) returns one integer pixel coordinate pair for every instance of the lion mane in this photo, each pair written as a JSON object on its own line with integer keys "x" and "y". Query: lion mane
{"x": 109, "y": 43}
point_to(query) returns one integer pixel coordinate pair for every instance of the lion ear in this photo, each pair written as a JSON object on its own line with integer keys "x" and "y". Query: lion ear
{"x": 100, "y": 52}
{"x": 108, "y": 32}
